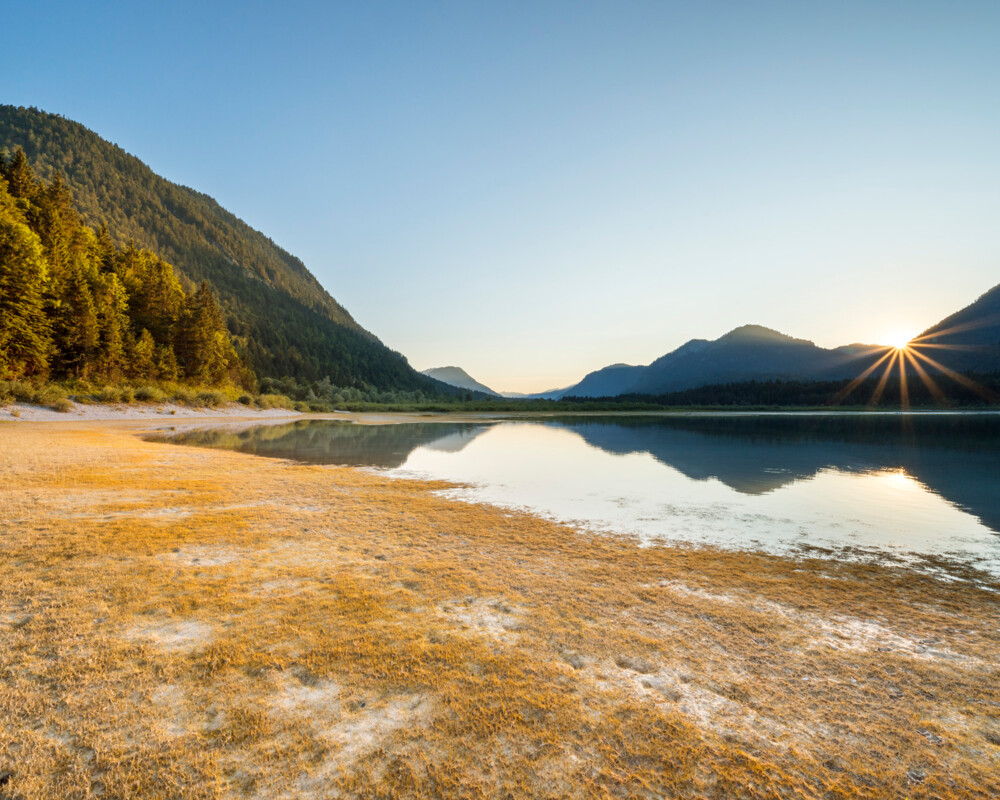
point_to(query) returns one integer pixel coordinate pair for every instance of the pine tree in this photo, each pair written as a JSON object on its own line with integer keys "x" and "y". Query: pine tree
{"x": 156, "y": 297}
{"x": 25, "y": 337}
{"x": 142, "y": 361}
{"x": 57, "y": 224}
{"x": 166, "y": 363}
{"x": 20, "y": 176}
{"x": 203, "y": 346}
{"x": 113, "y": 327}
{"x": 76, "y": 324}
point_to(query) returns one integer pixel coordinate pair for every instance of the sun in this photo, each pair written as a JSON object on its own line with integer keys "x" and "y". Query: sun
{"x": 898, "y": 340}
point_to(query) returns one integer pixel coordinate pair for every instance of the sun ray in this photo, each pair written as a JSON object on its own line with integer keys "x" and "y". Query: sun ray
{"x": 904, "y": 389}
{"x": 884, "y": 379}
{"x": 928, "y": 381}
{"x": 993, "y": 319}
{"x": 965, "y": 347}
{"x": 968, "y": 383}
{"x": 846, "y": 391}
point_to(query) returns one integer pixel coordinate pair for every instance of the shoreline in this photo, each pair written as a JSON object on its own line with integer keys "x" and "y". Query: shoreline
{"x": 116, "y": 412}
{"x": 227, "y": 626}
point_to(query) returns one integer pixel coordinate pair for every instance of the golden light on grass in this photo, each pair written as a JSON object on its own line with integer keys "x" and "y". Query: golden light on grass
{"x": 189, "y": 623}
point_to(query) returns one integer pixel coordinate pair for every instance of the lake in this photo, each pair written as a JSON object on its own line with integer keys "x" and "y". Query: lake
{"x": 854, "y": 485}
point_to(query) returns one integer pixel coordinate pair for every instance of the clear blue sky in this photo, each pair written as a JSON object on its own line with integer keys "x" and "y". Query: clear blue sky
{"x": 535, "y": 190}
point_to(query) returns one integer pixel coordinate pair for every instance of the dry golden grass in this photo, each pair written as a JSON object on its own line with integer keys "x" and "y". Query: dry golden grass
{"x": 179, "y": 622}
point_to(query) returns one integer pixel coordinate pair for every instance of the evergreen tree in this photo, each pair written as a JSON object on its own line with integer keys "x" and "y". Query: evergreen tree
{"x": 156, "y": 297}
{"x": 142, "y": 361}
{"x": 20, "y": 177}
{"x": 25, "y": 337}
{"x": 203, "y": 347}
{"x": 76, "y": 324}
{"x": 113, "y": 327}
{"x": 166, "y": 363}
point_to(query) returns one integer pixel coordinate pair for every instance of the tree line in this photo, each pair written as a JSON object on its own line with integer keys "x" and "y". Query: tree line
{"x": 75, "y": 305}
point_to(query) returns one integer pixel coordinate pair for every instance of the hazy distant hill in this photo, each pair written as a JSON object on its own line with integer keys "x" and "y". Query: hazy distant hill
{"x": 607, "y": 382}
{"x": 288, "y": 322}
{"x": 548, "y": 394}
{"x": 458, "y": 377}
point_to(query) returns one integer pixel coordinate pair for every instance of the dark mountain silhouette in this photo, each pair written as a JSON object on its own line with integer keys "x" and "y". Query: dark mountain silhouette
{"x": 285, "y": 322}
{"x": 458, "y": 377}
{"x": 751, "y": 352}
{"x": 746, "y": 353}
{"x": 967, "y": 341}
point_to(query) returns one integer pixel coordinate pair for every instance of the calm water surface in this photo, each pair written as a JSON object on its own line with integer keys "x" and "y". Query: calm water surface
{"x": 893, "y": 484}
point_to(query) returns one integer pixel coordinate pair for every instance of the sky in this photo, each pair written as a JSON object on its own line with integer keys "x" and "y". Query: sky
{"x": 534, "y": 190}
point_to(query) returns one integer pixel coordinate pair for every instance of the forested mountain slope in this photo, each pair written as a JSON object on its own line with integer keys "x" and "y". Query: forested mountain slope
{"x": 74, "y": 306}
{"x": 284, "y": 320}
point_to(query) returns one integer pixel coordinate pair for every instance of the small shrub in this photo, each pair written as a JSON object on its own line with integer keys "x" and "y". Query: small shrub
{"x": 266, "y": 401}
{"x": 49, "y": 396}
{"x": 149, "y": 394}
{"x": 245, "y": 400}
{"x": 62, "y": 405}
{"x": 185, "y": 397}
{"x": 107, "y": 394}
{"x": 212, "y": 399}
{"x": 23, "y": 391}
{"x": 127, "y": 394}
{"x": 301, "y": 406}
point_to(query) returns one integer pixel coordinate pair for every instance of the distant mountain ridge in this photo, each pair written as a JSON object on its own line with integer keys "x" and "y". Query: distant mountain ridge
{"x": 968, "y": 340}
{"x": 285, "y": 322}
{"x": 459, "y": 378}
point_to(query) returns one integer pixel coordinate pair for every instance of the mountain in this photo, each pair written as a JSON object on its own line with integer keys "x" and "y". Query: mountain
{"x": 967, "y": 341}
{"x": 548, "y": 394}
{"x": 458, "y": 377}
{"x": 607, "y": 382}
{"x": 284, "y": 321}
{"x": 750, "y": 352}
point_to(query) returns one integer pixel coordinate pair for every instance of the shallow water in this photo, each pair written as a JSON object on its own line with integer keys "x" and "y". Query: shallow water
{"x": 887, "y": 484}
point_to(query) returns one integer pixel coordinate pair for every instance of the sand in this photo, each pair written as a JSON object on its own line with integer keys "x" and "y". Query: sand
{"x": 91, "y": 412}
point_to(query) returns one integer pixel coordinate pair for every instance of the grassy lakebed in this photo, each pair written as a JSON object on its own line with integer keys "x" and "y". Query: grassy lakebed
{"x": 185, "y": 622}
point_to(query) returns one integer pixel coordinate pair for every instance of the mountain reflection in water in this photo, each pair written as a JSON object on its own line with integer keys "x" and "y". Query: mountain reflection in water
{"x": 955, "y": 457}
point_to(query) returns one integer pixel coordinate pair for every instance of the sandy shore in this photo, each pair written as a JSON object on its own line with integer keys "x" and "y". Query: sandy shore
{"x": 183, "y": 622}
{"x": 90, "y": 412}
